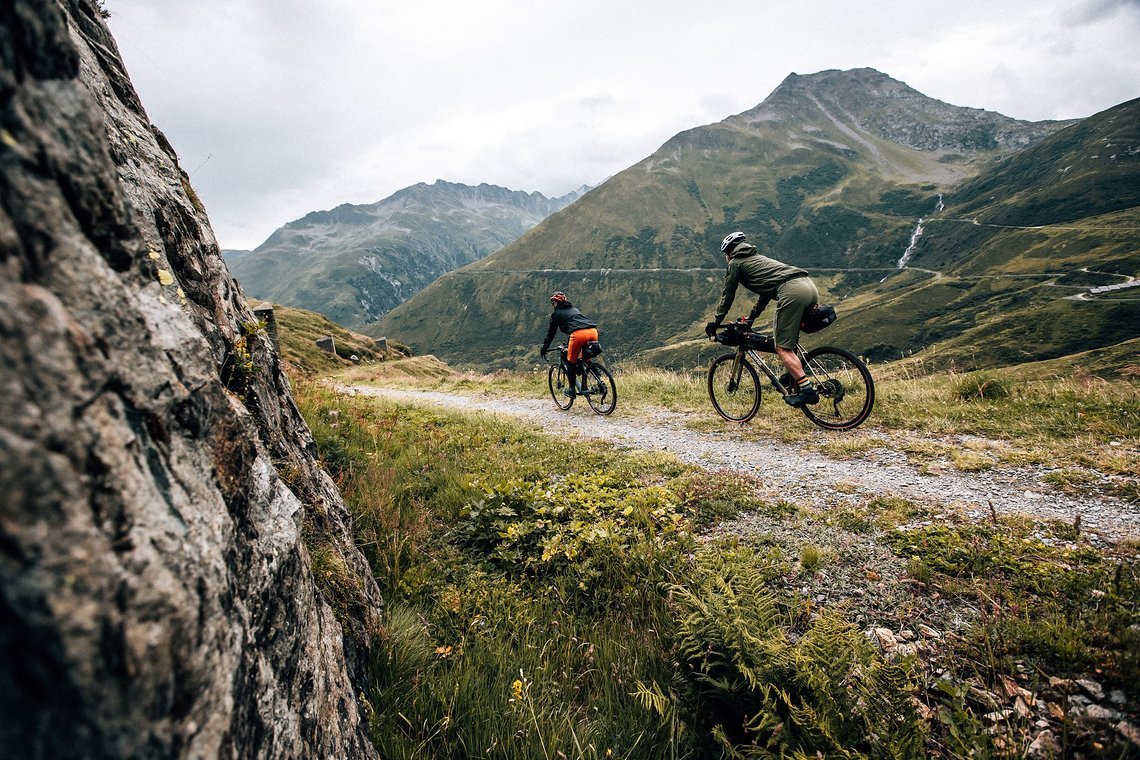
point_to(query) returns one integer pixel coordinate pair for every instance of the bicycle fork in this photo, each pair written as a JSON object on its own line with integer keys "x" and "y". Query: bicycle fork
{"x": 737, "y": 369}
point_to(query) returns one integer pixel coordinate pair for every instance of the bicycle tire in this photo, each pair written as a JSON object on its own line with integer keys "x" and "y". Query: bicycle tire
{"x": 601, "y": 392}
{"x": 845, "y": 385}
{"x": 556, "y": 381}
{"x": 736, "y": 402}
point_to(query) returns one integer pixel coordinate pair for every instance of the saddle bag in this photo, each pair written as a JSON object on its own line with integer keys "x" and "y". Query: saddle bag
{"x": 817, "y": 317}
{"x": 591, "y": 349}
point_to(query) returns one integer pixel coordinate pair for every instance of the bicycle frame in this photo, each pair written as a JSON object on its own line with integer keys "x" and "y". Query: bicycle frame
{"x": 758, "y": 361}
{"x": 580, "y": 367}
{"x": 596, "y": 385}
{"x": 840, "y": 378}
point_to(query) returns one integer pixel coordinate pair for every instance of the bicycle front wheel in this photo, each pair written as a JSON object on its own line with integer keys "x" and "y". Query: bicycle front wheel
{"x": 600, "y": 389}
{"x": 558, "y": 382}
{"x": 734, "y": 395}
{"x": 846, "y": 388}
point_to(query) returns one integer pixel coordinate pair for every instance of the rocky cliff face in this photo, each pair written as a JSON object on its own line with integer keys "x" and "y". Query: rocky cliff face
{"x": 157, "y": 597}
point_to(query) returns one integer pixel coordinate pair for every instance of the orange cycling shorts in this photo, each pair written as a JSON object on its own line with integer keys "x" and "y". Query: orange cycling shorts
{"x": 578, "y": 339}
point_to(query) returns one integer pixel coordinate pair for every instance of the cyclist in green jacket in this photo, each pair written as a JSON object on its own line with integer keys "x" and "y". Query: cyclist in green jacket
{"x": 791, "y": 288}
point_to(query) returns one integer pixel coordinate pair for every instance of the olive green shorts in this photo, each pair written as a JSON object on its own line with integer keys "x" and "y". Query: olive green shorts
{"x": 792, "y": 298}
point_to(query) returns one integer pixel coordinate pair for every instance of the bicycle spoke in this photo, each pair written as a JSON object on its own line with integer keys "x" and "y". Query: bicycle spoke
{"x": 601, "y": 393}
{"x": 846, "y": 389}
{"x": 557, "y": 382}
{"x": 734, "y": 388}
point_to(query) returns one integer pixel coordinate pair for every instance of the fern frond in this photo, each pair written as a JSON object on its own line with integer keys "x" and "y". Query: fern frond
{"x": 652, "y": 698}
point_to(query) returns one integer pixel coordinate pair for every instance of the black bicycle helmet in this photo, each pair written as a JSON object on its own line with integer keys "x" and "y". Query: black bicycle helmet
{"x": 731, "y": 241}
{"x": 558, "y": 297}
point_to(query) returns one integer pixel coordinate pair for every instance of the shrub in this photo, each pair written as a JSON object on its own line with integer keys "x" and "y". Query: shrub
{"x": 882, "y": 352}
{"x": 593, "y": 536}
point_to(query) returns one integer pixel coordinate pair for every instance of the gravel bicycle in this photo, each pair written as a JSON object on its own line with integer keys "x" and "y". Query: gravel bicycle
{"x": 599, "y": 389}
{"x": 846, "y": 388}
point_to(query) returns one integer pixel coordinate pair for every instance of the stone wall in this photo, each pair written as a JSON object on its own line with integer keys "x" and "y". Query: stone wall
{"x": 158, "y": 487}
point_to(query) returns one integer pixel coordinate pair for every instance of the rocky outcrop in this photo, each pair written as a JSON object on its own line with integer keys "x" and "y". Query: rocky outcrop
{"x": 159, "y": 496}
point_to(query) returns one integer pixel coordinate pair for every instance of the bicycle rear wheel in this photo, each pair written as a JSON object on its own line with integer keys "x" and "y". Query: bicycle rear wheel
{"x": 600, "y": 389}
{"x": 557, "y": 381}
{"x": 734, "y": 398}
{"x": 846, "y": 388}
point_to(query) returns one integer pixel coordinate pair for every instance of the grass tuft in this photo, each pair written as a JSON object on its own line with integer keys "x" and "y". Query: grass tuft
{"x": 982, "y": 386}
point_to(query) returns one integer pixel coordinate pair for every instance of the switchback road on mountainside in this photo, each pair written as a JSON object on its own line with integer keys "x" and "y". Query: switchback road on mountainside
{"x": 1086, "y": 293}
{"x": 795, "y": 473}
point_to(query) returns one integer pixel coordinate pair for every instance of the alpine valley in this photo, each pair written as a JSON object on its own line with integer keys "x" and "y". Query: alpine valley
{"x": 356, "y": 262}
{"x": 962, "y": 232}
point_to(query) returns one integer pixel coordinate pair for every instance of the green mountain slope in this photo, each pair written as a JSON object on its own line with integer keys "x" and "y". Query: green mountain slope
{"x": 355, "y": 262}
{"x": 831, "y": 172}
{"x": 1030, "y": 260}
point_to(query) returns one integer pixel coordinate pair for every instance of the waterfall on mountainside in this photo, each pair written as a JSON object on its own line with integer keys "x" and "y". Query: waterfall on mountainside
{"x": 917, "y": 234}
{"x": 913, "y": 244}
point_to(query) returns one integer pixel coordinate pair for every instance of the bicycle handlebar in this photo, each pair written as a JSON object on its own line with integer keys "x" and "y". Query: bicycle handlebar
{"x": 558, "y": 350}
{"x": 745, "y": 332}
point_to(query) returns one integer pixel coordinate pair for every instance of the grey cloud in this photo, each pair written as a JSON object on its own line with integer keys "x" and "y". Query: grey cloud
{"x": 1098, "y": 10}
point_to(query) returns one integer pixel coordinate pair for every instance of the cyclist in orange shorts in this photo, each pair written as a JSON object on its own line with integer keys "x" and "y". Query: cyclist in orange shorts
{"x": 574, "y": 323}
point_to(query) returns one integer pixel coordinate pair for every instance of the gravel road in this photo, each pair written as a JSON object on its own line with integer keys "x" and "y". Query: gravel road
{"x": 802, "y": 476}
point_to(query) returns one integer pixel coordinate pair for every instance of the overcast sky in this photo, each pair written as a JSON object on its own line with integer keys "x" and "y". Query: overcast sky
{"x": 281, "y": 107}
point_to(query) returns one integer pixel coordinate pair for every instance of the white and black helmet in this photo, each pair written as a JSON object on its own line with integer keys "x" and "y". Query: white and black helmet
{"x": 731, "y": 241}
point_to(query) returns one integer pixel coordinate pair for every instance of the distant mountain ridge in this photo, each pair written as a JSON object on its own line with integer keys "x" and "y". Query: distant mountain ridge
{"x": 832, "y": 172}
{"x": 353, "y": 263}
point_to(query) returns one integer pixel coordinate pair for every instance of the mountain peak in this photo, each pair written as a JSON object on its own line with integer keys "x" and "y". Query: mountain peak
{"x": 874, "y": 103}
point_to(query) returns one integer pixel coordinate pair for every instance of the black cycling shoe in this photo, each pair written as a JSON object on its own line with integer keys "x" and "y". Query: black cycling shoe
{"x": 808, "y": 395}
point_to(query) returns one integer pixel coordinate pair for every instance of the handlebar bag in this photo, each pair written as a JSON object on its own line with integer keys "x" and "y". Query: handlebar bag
{"x": 732, "y": 335}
